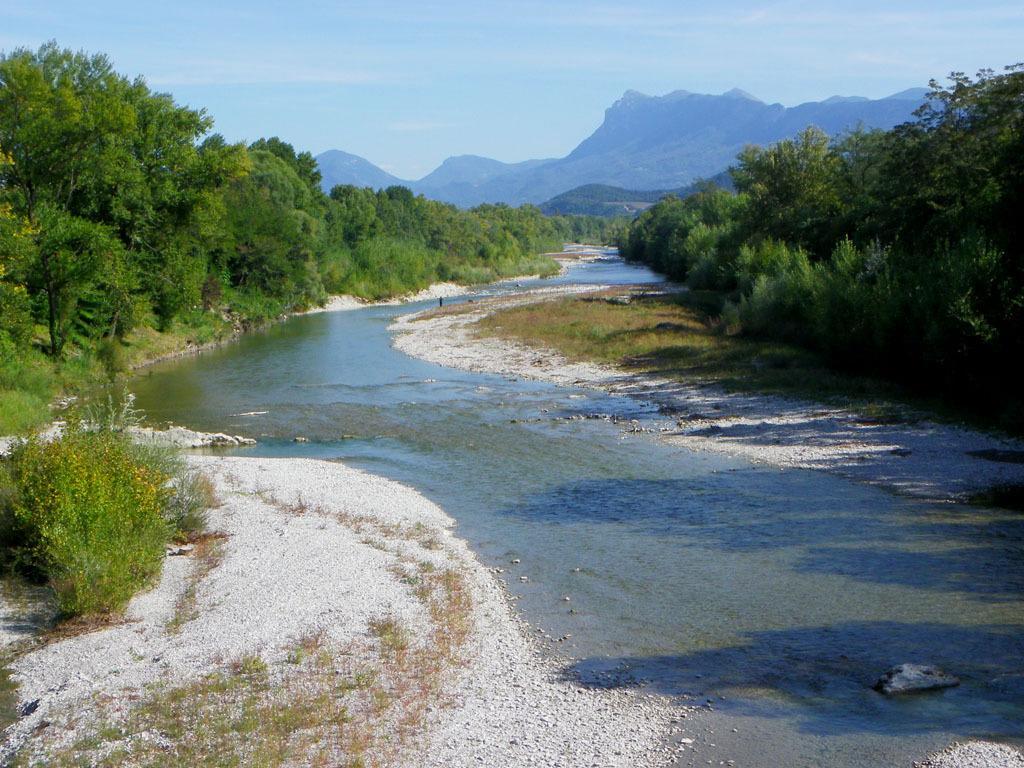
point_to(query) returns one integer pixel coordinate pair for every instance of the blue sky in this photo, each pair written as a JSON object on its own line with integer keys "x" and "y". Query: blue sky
{"x": 406, "y": 84}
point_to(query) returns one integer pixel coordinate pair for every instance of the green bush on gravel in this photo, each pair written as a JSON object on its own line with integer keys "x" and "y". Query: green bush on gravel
{"x": 88, "y": 514}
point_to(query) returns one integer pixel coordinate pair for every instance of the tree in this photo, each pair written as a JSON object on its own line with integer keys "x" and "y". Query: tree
{"x": 115, "y": 170}
{"x": 791, "y": 190}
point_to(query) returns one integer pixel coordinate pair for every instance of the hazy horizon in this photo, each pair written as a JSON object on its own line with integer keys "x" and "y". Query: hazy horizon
{"x": 406, "y": 86}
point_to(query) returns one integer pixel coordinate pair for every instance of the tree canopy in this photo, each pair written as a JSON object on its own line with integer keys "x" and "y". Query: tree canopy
{"x": 119, "y": 207}
{"x": 896, "y": 252}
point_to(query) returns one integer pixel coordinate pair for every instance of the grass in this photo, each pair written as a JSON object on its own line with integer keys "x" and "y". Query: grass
{"x": 192, "y": 497}
{"x": 197, "y": 329}
{"x": 30, "y": 382}
{"x": 680, "y": 336}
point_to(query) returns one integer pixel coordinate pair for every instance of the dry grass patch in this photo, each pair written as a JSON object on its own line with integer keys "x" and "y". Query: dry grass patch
{"x": 207, "y": 555}
{"x": 680, "y": 336}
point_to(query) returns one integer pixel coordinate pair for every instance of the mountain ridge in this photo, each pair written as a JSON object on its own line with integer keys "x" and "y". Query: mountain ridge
{"x": 644, "y": 143}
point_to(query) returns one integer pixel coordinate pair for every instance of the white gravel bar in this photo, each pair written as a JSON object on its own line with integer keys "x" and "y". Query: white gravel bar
{"x": 975, "y": 754}
{"x": 285, "y": 575}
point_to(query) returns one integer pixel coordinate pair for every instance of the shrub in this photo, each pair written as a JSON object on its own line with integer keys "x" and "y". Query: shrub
{"x": 192, "y": 495}
{"x": 768, "y": 258}
{"x": 114, "y": 412}
{"x": 88, "y": 515}
{"x": 781, "y": 297}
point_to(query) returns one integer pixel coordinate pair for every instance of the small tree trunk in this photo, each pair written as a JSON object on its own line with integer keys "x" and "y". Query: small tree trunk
{"x": 56, "y": 343}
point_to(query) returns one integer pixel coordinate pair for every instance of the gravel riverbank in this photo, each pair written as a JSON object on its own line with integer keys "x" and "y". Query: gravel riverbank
{"x": 919, "y": 458}
{"x": 316, "y": 549}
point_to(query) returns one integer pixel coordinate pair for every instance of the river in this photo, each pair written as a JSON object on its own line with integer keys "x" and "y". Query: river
{"x": 780, "y": 596}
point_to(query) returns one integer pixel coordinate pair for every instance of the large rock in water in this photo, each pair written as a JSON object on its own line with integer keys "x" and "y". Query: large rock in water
{"x": 908, "y": 678}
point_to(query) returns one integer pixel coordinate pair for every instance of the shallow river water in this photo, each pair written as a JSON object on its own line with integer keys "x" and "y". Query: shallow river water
{"x": 779, "y": 595}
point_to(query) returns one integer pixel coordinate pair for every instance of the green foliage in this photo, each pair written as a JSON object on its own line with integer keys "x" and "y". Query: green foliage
{"x": 791, "y": 189}
{"x": 119, "y": 210}
{"x": 89, "y": 515}
{"x": 895, "y": 253}
{"x": 616, "y": 202}
{"x": 27, "y": 385}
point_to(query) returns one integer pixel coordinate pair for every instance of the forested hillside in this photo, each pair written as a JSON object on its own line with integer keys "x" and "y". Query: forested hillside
{"x": 123, "y": 216}
{"x": 604, "y": 200}
{"x": 894, "y": 252}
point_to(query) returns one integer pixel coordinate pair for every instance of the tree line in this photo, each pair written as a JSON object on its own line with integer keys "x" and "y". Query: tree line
{"x": 120, "y": 208}
{"x": 898, "y": 253}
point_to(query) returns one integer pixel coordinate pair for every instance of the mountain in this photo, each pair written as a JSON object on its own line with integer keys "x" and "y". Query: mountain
{"x": 337, "y": 167}
{"x": 472, "y": 170}
{"x": 457, "y": 180}
{"x": 606, "y": 200}
{"x": 460, "y": 179}
{"x": 669, "y": 141}
{"x": 652, "y": 143}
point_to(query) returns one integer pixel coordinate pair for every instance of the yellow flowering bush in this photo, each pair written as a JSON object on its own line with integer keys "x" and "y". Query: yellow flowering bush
{"x": 89, "y": 516}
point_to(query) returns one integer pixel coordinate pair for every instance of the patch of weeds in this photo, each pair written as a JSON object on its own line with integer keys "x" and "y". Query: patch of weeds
{"x": 207, "y": 555}
{"x": 393, "y": 638}
{"x": 8, "y": 698}
{"x": 250, "y": 665}
{"x": 192, "y": 496}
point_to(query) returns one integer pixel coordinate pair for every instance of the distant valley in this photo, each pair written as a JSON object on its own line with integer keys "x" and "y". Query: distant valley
{"x": 646, "y": 145}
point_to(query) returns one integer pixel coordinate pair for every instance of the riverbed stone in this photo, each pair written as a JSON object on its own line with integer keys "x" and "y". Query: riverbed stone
{"x": 910, "y": 678}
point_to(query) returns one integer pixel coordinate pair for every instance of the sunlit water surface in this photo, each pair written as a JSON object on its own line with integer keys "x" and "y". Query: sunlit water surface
{"x": 785, "y": 592}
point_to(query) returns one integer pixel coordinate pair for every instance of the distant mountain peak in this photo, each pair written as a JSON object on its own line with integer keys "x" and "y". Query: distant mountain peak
{"x": 844, "y": 99}
{"x": 339, "y": 167}
{"x": 631, "y": 97}
{"x": 739, "y": 93}
{"x": 464, "y": 158}
{"x": 634, "y": 98}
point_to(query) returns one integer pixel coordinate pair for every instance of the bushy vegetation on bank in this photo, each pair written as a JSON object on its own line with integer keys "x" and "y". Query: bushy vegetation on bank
{"x": 90, "y": 512}
{"x": 895, "y": 253}
{"x": 121, "y": 213}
